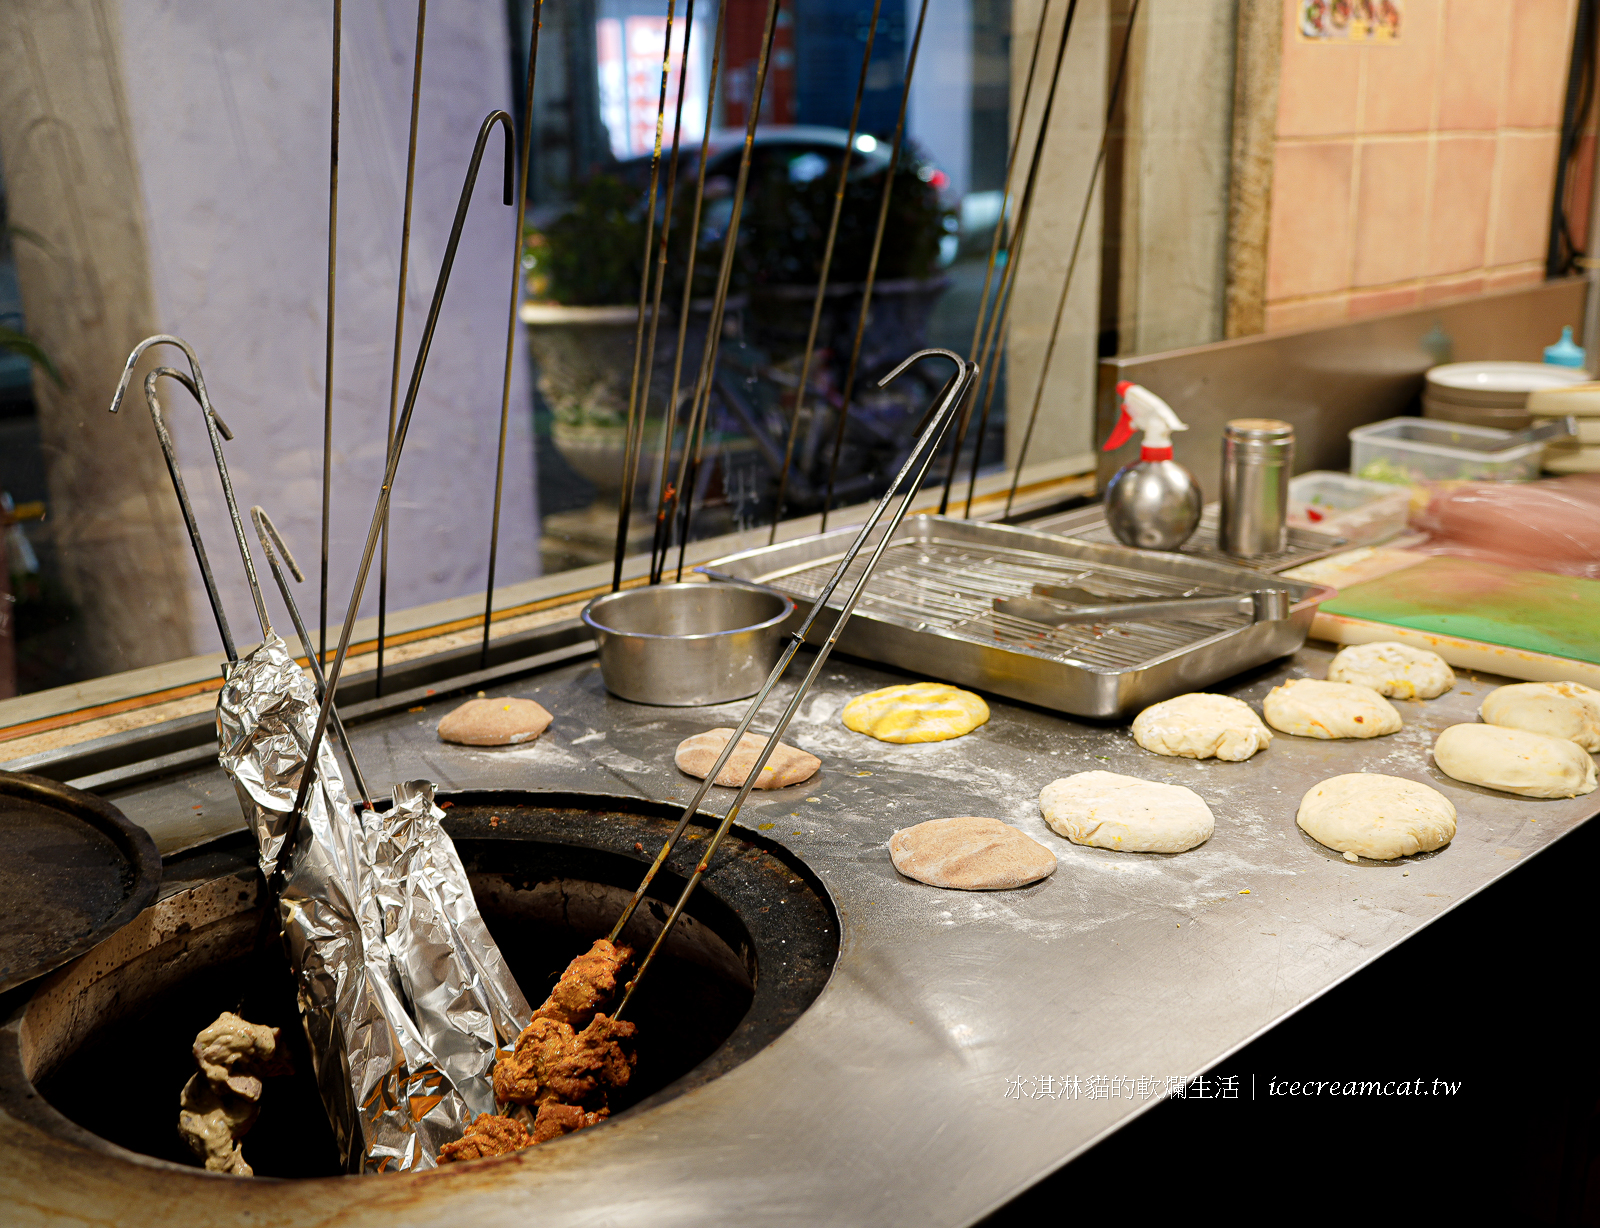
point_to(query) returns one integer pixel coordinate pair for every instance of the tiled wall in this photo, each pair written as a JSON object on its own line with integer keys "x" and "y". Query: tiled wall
{"x": 1419, "y": 170}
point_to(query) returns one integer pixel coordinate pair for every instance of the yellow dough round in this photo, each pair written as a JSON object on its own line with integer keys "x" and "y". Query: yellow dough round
{"x": 920, "y": 712}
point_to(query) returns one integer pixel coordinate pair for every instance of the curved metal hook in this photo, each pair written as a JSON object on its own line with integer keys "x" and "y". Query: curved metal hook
{"x": 931, "y": 352}
{"x": 269, "y": 536}
{"x": 387, "y": 490}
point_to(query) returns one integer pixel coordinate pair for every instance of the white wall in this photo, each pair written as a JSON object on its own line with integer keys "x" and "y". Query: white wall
{"x": 229, "y": 108}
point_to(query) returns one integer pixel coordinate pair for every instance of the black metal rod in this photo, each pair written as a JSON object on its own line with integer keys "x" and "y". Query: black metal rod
{"x": 872, "y": 266}
{"x": 666, "y": 501}
{"x": 400, "y": 319}
{"x": 719, "y": 302}
{"x": 636, "y": 412}
{"x": 327, "y": 361}
{"x": 995, "y": 329}
{"x": 402, "y": 427}
{"x": 827, "y": 264}
{"x": 1072, "y": 262}
{"x": 268, "y": 534}
{"x": 511, "y": 329}
{"x": 926, "y": 448}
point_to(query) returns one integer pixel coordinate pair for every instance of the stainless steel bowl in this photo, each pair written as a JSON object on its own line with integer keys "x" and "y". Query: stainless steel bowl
{"x": 685, "y": 644}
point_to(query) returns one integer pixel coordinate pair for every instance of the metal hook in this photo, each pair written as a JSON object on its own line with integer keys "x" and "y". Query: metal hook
{"x": 217, "y": 431}
{"x": 393, "y": 464}
{"x": 268, "y": 534}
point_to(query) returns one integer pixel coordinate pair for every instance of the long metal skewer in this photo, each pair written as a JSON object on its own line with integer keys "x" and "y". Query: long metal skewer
{"x": 827, "y": 264}
{"x": 634, "y": 436}
{"x": 1072, "y": 261}
{"x": 872, "y": 266}
{"x": 511, "y": 328}
{"x": 666, "y": 502}
{"x": 995, "y": 329}
{"x": 267, "y": 533}
{"x": 327, "y": 361}
{"x": 393, "y": 463}
{"x": 730, "y": 242}
{"x": 400, "y": 316}
{"x": 907, "y": 480}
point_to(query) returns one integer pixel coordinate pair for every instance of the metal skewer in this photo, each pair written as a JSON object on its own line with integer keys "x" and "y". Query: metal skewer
{"x": 872, "y": 265}
{"x": 327, "y": 362}
{"x": 634, "y": 438}
{"x": 400, "y": 315}
{"x": 907, "y": 480}
{"x": 393, "y": 463}
{"x": 511, "y": 329}
{"x": 1072, "y": 262}
{"x": 666, "y": 502}
{"x": 827, "y": 265}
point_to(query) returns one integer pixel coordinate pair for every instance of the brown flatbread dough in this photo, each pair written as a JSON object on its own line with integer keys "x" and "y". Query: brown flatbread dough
{"x": 494, "y": 722}
{"x": 787, "y": 766}
{"x": 970, "y": 854}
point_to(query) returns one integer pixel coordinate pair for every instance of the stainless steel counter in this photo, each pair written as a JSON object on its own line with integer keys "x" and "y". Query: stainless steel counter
{"x": 895, "y": 1098}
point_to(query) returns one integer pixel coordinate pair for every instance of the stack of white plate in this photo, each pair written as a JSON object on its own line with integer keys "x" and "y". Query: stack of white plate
{"x": 1582, "y": 401}
{"x": 1493, "y": 394}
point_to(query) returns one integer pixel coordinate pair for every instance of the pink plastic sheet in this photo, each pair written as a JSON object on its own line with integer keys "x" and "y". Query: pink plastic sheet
{"x": 1552, "y": 525}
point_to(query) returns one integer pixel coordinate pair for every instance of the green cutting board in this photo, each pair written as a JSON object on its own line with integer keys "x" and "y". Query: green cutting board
{"x": 1532, "y": 610}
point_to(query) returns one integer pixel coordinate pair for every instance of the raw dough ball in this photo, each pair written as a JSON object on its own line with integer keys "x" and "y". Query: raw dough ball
{"x": 1396, "y": 670}
{"x": 494, "y": 722}
{"x": 1123, "y": 812}
{"x": 1514, "y": 761}
{"x": 1315, "y": 709}
{"x": 1567, "y": 710}
{"x": 786, "y": 766}
{"x": 970, "y": 854}
{"x": 1382, "y": 817}
{"x": 920, "y": 712}
{"x": 1201, "y": 726}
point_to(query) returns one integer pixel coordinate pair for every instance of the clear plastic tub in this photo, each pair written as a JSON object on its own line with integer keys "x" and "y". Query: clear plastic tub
{"x": 1352, "y": 508}
{"x": 1422, "y": 449}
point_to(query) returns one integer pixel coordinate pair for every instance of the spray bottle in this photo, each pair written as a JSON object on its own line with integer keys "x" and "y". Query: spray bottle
{"x": 1154, "y": 503}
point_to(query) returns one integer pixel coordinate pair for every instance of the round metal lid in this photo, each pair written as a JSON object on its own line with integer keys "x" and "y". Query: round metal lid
{"x": 73, "y": 870}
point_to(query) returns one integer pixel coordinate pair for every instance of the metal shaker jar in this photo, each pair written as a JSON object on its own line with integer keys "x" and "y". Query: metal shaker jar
{"x": 1257, "y": 462}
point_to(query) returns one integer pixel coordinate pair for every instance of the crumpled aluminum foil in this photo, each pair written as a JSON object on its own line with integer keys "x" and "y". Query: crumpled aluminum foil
{"x": 403, "y": 993}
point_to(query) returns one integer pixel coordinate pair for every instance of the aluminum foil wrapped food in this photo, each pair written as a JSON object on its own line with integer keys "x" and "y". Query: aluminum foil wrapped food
{"x": 376, "y": 915}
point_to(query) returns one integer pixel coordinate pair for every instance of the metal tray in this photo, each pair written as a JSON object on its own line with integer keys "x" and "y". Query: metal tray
{"x": 930, "y": 609}
{"x": 74, "y": 870}
{"x": 1089, "y": 524}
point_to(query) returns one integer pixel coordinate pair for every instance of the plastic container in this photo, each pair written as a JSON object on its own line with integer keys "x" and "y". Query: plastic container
{"x": 1422, "y": 449}
{"x": 1359, "y": 511}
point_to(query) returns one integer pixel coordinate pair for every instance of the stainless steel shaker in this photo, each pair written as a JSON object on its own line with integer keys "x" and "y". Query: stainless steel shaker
{"x": 1257, "y": 462}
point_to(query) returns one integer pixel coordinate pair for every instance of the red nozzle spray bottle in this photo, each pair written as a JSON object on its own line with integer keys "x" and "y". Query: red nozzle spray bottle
{"x": 1153, "y": 503}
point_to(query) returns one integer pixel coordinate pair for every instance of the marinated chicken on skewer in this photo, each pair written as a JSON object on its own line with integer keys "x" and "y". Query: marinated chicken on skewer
{"x": 566, "y": 1062}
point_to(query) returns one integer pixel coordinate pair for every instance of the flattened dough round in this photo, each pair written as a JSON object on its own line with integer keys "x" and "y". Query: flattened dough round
{"x": 918, "y": 712}
{"x": 1364, "y": 814}
{"x": 1201, "y": 726}
{"x": 1396, "y": 670}
{"x": 494, "y": 722}
{"x": 1314, "y": 709}
{"x": 1125, "y": 813}
{"x": 1514, "y": 761}
{"x": 970, "y": 854}
{"x": 787, "y": 765}
{"x": 1567, "y": 710}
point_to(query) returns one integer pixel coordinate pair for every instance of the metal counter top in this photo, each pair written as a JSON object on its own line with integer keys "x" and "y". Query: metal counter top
{"x": 895, "y": 1099}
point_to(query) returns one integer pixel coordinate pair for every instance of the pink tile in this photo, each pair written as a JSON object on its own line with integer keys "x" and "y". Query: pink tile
{"x": 1401, "y": 77}
{"x": 1391, "y": 209}
{"x": 1525, "y": 174}
{"x": 1463, "y": 183}
{"x": 1376, "y": 302}
{"x": 1472, "y": 69}
{"x": 1452, "y": 288}
{"x": 1513, "y": 279}
{"x": 1541, "y": 33}
{"x": 1306, "y": 313}
{"x": 1319, "y": 88}
{"x": 1308, "y": 249}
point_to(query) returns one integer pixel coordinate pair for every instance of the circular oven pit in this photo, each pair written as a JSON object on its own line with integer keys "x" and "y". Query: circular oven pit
{"x": 99, "y": 1053}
